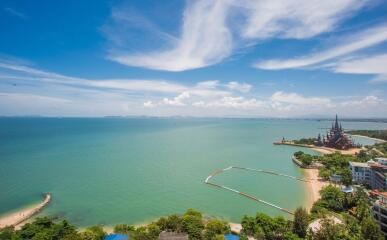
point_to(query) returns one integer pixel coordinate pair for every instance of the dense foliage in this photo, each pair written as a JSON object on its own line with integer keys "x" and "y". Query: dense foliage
{"x": 304, "y": 158}
{"x": 191, "y": 223}
{"x": 359, "y": 225}
{"x": 377, "y": 150}
{"x": 306, "y": 141}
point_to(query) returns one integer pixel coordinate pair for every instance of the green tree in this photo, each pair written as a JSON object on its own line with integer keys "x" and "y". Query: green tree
{"x": 248, "y": 225}
{"x": 301, "y": 220}
{"x": 370, "y": 230}
{"x": 7, "y": 233}
{"x": 93, "y": 233}
{"x": 193, "y": 226}
{"x": 330, "y": 231}
{"x": 346, "y": 177}
{"x": 124, "y": 229}
{"x": 332, "y": 198}
{"x": 215, "y": 227}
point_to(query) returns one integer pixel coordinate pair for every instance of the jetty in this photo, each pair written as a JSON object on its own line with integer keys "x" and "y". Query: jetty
{"x": 217, "y": 172}
{"x": 17, "y": 218}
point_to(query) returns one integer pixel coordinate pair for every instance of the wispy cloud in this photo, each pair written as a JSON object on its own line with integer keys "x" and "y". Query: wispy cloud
{"x": 374, "y": 64}
{"x": 348, "y": 45}
{"x": 204, "y": 40}
{"x": 13, "y": 12}
{"x": 296, "y": 19}
{"x": 207, "y": 36}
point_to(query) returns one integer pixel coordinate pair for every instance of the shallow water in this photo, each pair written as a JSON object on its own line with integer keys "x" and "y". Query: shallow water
{"x": 115, "y": 170}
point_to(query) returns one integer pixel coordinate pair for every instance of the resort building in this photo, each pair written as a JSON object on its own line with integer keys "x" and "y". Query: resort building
{"x": 335, "y": 138}
{"x": 378, "y": 176}
{"x": 361, "y": 172}
{"x": 379, "y": 210}
{"x": 371, "y": 173}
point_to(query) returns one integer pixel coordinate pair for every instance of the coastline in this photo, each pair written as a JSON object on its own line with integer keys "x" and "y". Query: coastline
{"x": 313, "y": 187}
{"x": 376, "y": 139}
{"x": 322, "y": 150}
{"x": 21, "y": 217}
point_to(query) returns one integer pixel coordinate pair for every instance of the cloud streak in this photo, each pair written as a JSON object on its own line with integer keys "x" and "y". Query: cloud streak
{"x": 208, "y": 37}
{"x": 359, "y": 41}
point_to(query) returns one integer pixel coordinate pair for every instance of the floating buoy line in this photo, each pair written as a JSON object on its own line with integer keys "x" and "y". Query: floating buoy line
{"x": 217, "y": 172}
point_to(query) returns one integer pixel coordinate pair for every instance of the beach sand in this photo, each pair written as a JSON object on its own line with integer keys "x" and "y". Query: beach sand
{"x": 19, "y": 218}
{"x": 325, "y": 150}
{"x": 313, "y": 187}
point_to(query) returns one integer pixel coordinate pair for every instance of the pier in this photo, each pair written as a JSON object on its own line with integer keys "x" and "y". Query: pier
{"x": 16, "y": 219}
{"x": 246, "y": 195}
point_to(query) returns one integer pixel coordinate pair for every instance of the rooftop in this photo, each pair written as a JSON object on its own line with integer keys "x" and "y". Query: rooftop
{"x": 359, "y": 164}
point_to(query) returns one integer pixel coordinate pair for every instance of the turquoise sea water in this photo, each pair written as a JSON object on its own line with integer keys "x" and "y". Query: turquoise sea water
{"x": 116, "y": 170}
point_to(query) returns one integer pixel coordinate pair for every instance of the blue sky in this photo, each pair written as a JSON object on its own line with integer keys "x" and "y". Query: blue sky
{"x": 244, "y": 58}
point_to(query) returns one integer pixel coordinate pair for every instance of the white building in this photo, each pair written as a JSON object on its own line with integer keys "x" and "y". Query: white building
{"x": 361, "y": 172}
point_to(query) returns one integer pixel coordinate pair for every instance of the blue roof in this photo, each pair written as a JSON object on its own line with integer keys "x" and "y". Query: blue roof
{"x": 116, "y": 237}
{"x": 231, "y": 237}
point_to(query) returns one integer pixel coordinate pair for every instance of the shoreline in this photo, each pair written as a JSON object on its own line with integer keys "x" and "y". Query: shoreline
{"x": 376, "y": 139}
{"x": 313, "y": 187}
{"x": 21, "y": 217}
{"x": 322, "y": 150}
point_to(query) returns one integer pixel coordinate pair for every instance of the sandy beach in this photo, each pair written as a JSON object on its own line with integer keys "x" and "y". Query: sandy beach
{"x": 325, "y": 150}
{"x": 18, "y": 218}
{"x": 313, "y": 187}
{"x": 376, "y": 139}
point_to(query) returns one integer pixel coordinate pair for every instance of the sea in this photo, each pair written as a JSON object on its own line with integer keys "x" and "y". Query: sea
{"x": 134, "y": 170}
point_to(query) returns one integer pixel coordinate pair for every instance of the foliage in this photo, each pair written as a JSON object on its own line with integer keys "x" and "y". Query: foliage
{"x": 306, "y": 159}
{"x": 93, "y": 233}
{"x": 300, "y": 225}
{"x": 192, "y": 224}
{"x": 377, "y": 150}
{"x": 330, "y": 231}
{"x": 214, "y": 228}
{"x": 306, "y": 141}
{"x": 266, "y": 227}
{"x": 370, "y": 230}
{"x": 332, "y": 198}
{"x": 171, "y": 223}
{"x": 124, "y": 229}
{"x": 42, "y": 228}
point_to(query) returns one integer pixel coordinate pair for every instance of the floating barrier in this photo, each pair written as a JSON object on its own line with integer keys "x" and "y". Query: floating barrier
{"x": 207, "y": 181}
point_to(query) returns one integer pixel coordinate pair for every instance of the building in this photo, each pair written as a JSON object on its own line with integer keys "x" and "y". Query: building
{"x": 379, "y": 210}
{"x": 378, "y": 176}
{"x": 361, "y": 172}
{"x": 371, "y": 173}
{"x": 335, "y": 138}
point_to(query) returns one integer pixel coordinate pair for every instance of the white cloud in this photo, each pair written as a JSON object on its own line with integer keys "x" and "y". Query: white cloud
{"x": 205, "y": 40}
{"x": 177, "y": 101}
{"x": 231, "y": 102}
{"x": 294, "y": 98}
{"x": 241, "y": 87}
{"x": 366, "y": 102}
{"x": 359, "y": 41}
{"x": 213, "y": 29}
{"x": 149, "y": 104}
{"x": 296, "y": 19}
{"x": 376, "y": 64}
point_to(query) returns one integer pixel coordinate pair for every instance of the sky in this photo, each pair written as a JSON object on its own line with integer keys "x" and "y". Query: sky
{"x": 203, "y": 58}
